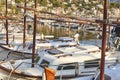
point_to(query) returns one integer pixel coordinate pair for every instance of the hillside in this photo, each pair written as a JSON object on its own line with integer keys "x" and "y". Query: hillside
{"x": 115, "y": 1}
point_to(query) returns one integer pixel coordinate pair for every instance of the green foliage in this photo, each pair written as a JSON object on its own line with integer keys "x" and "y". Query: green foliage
{"x": 57, "y": 4}
{"x": 43, "y": 2}
{"x": 90, "y": 35}
{"x": 75, "y": 1}
{"x": 1, "y": 8}
{"x": 65, "y": 4}
{"x": 18, "y": 1}
{"x": 2, "y": 2}
{"x": 46, "y": 30}
{"x": 114, "y": 5}
{"x": 86, "y": 35}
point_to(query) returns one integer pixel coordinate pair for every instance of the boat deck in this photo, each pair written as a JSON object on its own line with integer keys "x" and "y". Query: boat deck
{"x": 7, "y": 55}
{"x": 4, "y": 55}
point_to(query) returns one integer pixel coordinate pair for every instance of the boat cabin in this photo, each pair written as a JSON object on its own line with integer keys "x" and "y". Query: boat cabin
{"x": 67, "y": 65}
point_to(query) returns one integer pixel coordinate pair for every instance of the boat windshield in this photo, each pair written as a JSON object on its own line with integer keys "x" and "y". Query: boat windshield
{"x": 44, "y": 63}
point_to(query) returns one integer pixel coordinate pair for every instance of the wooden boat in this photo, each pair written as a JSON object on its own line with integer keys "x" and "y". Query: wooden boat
{"x": 66, "y": 64}
{"x": 17, "y": 46}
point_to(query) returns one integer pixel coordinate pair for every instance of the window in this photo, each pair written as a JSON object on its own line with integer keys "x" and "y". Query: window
{"x": 66, "y": 66}
{"x": 44, "y": 63}
{"x": 54, "y": 51}
{"x": 91, "y": 63}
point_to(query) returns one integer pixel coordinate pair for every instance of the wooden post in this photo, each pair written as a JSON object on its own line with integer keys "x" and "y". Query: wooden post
{"x": 102, "y": 77}
{"x": 34, "y": 34}
{"x": 6, "y": 25}
{"x": 24, "y": 34}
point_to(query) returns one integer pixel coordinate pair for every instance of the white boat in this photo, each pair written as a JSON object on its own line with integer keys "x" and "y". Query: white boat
{"x": 111, "y": 72}
{"x": 60, "y": 42}
{"x": 17, "y": 46}
{"x": 66, "y": 64}
{"x": 74, "y": 50}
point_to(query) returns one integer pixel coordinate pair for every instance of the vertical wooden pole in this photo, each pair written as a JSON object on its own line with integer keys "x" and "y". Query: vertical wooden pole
{"x": 34, "y": 34}
{"x": 102, "y": 77}
{"x": 6, "y": 24}
{"x": 24, "y": 34}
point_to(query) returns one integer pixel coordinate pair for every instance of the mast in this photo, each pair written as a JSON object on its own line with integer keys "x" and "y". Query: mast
{"x": 103, "y": 41}
{"x": 6, "y": 25}
{"x": 24, "y": 40}
{"x": 34, "y": 34}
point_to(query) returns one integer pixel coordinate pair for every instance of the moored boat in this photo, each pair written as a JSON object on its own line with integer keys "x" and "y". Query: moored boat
{"x": 66, "y": 64}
